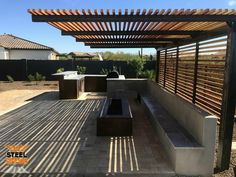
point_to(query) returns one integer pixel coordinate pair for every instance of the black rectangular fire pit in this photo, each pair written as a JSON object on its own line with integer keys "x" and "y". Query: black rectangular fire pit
{"x": 115, "y": 118}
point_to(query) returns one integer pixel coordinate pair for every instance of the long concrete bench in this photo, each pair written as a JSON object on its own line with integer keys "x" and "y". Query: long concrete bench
{"x": 178, "y": 137}
{"x": 187, "y": 133}
{"x": 173, "y": 136}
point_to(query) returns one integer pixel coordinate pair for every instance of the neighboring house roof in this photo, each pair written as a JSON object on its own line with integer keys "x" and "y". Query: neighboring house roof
{"x": 13, "y": 42}
{"x": 83, "y": 54}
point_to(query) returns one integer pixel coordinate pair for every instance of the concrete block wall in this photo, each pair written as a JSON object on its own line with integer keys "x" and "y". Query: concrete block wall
{"x": 130, "y": 86}
{"x": 198, "y": 123}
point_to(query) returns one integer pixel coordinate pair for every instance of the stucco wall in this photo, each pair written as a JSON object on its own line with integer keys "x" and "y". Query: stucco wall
{"x": 4, "y": 53}
{"x": 32, "y": 54}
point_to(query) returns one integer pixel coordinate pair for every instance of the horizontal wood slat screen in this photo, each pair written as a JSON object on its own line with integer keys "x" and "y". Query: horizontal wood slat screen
{"x": 182, "y": 70}
{"x": 186, "y": 71}
{"x": 170, "y": 69}
{"x": 211, "y": 64}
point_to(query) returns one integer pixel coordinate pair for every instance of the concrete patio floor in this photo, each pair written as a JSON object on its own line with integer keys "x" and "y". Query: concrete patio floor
{"x": 62, "y": 141}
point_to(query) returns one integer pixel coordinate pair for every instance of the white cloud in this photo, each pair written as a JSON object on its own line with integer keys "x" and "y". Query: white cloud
{"x": 232, "y": 3}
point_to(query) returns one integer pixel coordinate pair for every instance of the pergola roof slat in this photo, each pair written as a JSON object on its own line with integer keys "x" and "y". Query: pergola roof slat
{"x": 139, "y": 39}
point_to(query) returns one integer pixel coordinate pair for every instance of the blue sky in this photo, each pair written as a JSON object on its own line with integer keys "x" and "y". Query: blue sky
{"x": 16, "y": 20}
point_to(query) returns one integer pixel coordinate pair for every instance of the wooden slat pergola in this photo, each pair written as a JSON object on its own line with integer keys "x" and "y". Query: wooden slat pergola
{"x": 130, "y": 29}
{"x": 203, "y": 73}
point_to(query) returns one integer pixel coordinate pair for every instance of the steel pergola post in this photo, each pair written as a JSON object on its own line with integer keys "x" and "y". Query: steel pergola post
{"x": 157, "y": 66}
{"x": 176, "y": 68}
{"x": 228, "y": 102}
{"x": 164, "y": 81}
{"x": 195, "y": 72}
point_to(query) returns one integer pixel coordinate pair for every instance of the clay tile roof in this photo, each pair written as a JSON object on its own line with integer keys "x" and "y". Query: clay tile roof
{"x": 83, "y": 54}
{"x": 12, "y": 42}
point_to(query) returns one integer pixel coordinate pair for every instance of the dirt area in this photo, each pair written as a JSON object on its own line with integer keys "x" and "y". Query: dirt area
{"x": 16, "y": 94}
{"x": 24, "y": 85}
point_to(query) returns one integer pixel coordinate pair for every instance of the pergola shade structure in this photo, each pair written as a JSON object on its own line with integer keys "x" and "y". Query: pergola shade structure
{"x": 195, "y": 58}
{"x": 146, "y": 28}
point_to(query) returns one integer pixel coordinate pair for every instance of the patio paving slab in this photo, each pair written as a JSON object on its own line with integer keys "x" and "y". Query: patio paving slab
{"x": 62, "y": 141}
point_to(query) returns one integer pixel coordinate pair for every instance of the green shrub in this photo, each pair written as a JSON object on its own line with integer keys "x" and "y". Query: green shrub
{"x": 150, "y": 74}
{"x": 9, "y": 78}
{"x": 81, "y": 69}
{"x": 137, "y": 64}
{"x": 115, "y": 68}
{"x": 104, "y": 71}
{"x": 39, "y": 77}
{"x": 60, "y": 70}
{"x": 31, "y": 77}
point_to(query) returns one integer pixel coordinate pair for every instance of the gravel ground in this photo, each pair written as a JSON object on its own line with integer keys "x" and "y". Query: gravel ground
{"x": 230, "y": 172}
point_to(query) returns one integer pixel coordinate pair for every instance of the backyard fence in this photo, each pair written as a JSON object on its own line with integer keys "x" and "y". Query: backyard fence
{"x": 195, "y": 72}
{"x": 20, "y": 69}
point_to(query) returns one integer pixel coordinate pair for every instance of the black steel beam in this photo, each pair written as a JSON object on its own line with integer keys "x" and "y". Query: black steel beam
{"x": 124, "y": 46}
{"x": 128, "y": 40}
{"x": 204, "y": 36}
{"x": 162, "y": 32}
{"x": 127, "y": 43}
{"x": 133, "y": 18}
{"x": 228, "y": 103}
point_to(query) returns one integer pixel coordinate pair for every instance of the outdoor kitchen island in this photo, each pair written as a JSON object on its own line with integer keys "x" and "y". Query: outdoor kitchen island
{"x": 72, "y": 85}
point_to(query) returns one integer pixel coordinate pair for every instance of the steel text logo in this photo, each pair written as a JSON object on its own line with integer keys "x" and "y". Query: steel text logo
{"x": 16, "y": 155}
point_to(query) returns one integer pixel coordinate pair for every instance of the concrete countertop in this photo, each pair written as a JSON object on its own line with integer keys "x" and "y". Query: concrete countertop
{"x": 65, "y": 73}
{"x": 72, "y": 75}
{"x": 81, "y": 76}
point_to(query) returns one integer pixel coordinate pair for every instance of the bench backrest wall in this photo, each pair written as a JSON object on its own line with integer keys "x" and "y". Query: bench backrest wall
{"x": 190, "y": 117}
{"x": 128, "y": 85}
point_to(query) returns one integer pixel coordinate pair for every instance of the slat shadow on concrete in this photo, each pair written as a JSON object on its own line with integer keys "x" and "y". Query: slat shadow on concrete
{"x": 63, "y": 142}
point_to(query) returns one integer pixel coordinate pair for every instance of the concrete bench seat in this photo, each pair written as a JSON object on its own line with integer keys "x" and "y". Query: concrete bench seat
{"x": 177, "y": 135}
{"x": 186, "y": 132}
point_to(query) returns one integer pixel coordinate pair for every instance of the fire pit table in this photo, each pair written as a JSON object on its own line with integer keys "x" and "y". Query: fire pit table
{"x": 115, "y": 118}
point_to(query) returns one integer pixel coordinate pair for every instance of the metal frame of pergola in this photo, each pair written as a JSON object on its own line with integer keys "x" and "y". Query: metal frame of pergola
{"x": 162, "y": 30}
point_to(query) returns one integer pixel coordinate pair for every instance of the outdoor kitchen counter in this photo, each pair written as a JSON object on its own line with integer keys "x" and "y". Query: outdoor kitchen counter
{"x": 72, "y": 75}
{"x": 72, "y": 85}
